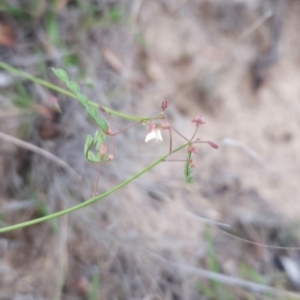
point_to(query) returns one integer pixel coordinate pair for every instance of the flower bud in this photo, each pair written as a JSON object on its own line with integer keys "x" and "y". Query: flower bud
{"x": 54, "y": 102}
{"x": 109, "y": 131}
{"x": 193, "y": 163}
{"x": 199, "y": 120}
{"x": 103, "y": 149}
{"x": 213, "y": 145}
{"x": 151, "y": 126}
{"x": 164, "y": 105}
{"x": 192, "y": 149}
{"x": 165, "y": 124}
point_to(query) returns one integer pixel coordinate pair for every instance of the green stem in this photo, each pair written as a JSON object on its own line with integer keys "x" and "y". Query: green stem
{"x": 64, "y": 91}
{"x": 91, "y": 200}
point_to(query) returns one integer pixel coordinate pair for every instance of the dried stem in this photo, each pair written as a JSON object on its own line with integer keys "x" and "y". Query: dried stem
{"x": 179, "y": 133}
{"x": 126, "y": 128}
{"x": 40, "y": 151}
{"x": 170, "y": 132}
{"x": 97, "y": 178}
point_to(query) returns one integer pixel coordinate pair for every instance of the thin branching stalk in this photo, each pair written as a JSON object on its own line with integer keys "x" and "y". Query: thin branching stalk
{"x": 91, "y": 200}
{"x": 63, "y": 91}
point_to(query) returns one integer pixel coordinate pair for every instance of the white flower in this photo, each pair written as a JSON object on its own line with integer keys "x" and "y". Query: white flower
{"x": 154, "y": 134}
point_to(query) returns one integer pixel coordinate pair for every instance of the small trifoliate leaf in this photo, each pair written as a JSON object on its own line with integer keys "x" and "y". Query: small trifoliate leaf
{"x": 94, "y": 158}
{"x": 99, "y": 138}
{"x": 88, "y": 144}
{"x": 91, "y": 156}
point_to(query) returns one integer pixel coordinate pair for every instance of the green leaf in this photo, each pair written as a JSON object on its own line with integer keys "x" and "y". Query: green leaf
{"x": 61, "y": 74}
{"x": 52, "y": 28}
{"x": 88, "y": 144}
{"x": 94, "y": 289}
{"x": 74, "y": 87}
{"x": 97, "y": 141}
{"x": 91, "y": 156}
{"x": 92, "y": 112}
{"x": 84, "y": 100}
{"x": 98, "y": 157}
{"x": 115, "y": 14}
{"x": 94, "y": 158}
{"x": 188, "y": 170}
{"x": 102, "y": 124}
{"x": 99, "y": 138}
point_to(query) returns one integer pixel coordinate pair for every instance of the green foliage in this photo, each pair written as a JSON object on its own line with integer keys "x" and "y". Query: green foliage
{"x": 100, "y": 136}
{"x": 250, "y": 274}
{"x": 141, "y": 40}
{"x": 42, "y": 65}
{"x": 72, "y": 60}
{"x": 93, "y": 292}
{"x": 74, "y": 87}
{"x": 61, "y": 74}
{"x": 214, "y": 290}
{"x": 23, "y": 98}
{"x": 210, "y": 293}
{"x": 84, "y": 100}
{"x": 213, "y": 264}
{"x": 52, "y": 28}
{"x": 13, "y": 10}
{"x": 95, "y": 142}
{"x": 188, "y": 170}
{"x": 212, "y": 258}
{"x": 115, "y": 14}
{"x": 43, "y": 210}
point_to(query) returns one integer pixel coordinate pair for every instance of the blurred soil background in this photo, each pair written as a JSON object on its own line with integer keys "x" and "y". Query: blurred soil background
{"x": 237, "y": 63}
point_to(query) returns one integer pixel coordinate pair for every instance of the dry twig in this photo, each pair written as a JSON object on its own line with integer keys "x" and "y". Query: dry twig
{"x": 40, "y": 151}
{"x": 225, "y": 279}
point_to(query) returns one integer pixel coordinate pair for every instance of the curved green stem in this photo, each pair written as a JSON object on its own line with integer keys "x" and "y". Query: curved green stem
{"x": 65, "y": 92}
{"x": 91, "y": 200}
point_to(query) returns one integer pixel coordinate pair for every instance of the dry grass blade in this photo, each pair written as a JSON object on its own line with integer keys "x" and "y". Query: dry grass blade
{"x": 225, "y": 279}
{"x": 253, "y": 154}
{"x": 113, "y": 60}
{"x": 46, "y": 154}
{"x": 62, "y": 257}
